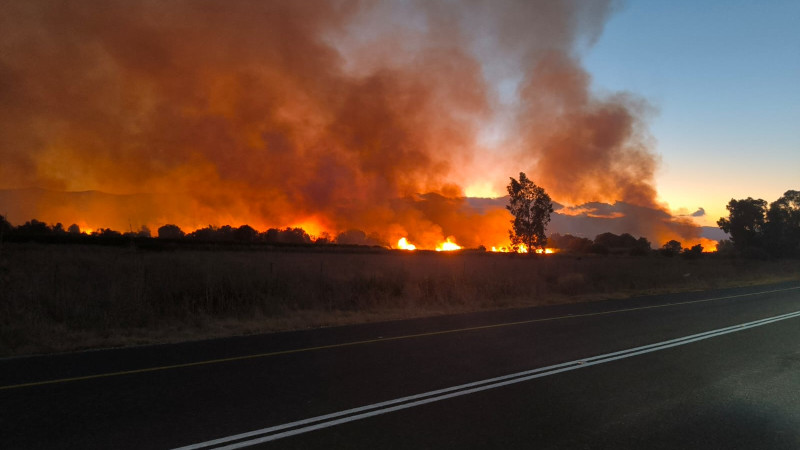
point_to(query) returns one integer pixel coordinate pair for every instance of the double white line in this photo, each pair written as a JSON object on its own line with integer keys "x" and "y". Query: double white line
{"x": 363, "y": 412}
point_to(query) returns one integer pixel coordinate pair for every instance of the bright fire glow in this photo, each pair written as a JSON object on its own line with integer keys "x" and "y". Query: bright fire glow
{"x": 523, "y": 249}
{"x": 312, "y": 226}
{"x": 403, "y": 244}
{"x": 481, "y": 190}
{"x": 448, "y": 246}
{"x": 709, "y": 245}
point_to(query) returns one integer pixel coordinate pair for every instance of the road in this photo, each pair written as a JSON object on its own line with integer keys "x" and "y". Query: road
{"x": 611, "y": 374}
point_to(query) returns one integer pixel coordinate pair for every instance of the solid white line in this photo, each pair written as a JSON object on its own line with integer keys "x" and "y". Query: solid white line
{"x": 430, "y": 393}
{"x": 465, "y": 389}
{"x": 450, "y": 389}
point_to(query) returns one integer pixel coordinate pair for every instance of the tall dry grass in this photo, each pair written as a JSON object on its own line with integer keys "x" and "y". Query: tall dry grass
{"x": 62, "y": 297}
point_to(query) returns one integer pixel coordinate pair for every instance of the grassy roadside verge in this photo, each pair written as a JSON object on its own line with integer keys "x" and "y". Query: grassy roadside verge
{"x": 56, "y": 298}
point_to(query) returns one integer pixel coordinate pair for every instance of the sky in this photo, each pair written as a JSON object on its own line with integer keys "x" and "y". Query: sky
{"x": 723, "y": 79}
{"x": 383, "y": 115}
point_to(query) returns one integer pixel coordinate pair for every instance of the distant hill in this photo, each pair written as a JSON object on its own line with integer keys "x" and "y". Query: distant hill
{"x": 714, "y": 233}
{"x": 590, "y": 219}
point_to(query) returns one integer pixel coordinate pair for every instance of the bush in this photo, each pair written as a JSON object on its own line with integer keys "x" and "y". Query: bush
{"x": 170, "y": 232}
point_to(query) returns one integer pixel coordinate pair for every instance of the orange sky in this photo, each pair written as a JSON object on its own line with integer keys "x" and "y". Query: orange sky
{"x": 329, "y": 115}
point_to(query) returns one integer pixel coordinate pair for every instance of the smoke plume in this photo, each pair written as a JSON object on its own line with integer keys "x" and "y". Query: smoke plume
{"x": 331, "y": 115}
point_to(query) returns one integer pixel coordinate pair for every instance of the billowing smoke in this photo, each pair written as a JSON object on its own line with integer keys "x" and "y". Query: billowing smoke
{"x": 332, "y": 115}
{"x": 588, "y": 149}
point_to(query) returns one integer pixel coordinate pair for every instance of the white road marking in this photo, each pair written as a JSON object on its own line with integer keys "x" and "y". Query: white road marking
{"x": 363, "y": 412}
{"x": 371, "y": 341}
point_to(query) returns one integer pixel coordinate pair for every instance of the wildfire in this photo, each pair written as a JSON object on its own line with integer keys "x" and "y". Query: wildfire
{"x": 709, "y": 245}
{"x": 448, "y": 246}
{"x": 312, "y": 226}
{"x": 403, "y": 244}
{"x": 523, "y": 249}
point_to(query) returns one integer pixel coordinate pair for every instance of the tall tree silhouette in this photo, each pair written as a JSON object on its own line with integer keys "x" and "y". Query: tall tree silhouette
{"x": 531, "y": 207}
{"x": 782, "y": 230}
{"x": 745, "y": 222}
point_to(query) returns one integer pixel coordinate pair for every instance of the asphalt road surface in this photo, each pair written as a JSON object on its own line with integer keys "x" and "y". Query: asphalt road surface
{"x": 717, "y": 369}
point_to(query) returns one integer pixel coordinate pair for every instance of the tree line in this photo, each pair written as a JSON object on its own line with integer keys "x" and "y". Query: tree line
{"x": 41, "y": 231}
{"x": 531, "y": 207}
{"x": 602, "y": 244}
{"x": 761, "y": 230}
{"x": 757, "y": 229}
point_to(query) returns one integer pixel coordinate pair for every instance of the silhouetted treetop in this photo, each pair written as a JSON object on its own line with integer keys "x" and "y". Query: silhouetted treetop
{"x": 170, "y": 231}
{"x": 745, "y": 222}
{"x": 5, "y": 226}
{"x": 33, "y": 228}
{"x": 531, "y": 207}
{"x": 672, "y": 248}
{"x": 245, "y": 233}
{"x": 782, "y": 228}
{"x": 569, "y": 243}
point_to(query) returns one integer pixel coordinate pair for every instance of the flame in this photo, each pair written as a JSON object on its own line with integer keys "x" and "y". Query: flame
{"x": 313, "y": 226}
{"x": 448, "y": 245}
{"x": 403, "y": 244}
{"x": 523, "y": 249}
{"x": 709, "y": 245}
{"x": 369, "y": 142}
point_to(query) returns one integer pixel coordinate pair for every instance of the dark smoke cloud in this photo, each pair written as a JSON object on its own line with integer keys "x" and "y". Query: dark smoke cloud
{"x": 335, "y": 115}
{"x": 585, "y": 148}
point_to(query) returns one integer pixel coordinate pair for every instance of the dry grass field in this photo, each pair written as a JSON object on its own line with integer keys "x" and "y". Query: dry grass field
{"x": 66, "y": 297}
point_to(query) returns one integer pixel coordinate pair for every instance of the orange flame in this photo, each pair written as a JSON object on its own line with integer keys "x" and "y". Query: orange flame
{"x": 448, "y": 245}
{"x": 523, "y": 249}
{"x": 403, "y": 244}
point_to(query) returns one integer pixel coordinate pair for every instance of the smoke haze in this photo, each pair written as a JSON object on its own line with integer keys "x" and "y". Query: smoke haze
{"x": 330, "y": 115}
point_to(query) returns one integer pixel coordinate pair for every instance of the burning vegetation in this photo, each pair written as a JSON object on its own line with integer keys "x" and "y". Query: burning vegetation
{"x": 293, "y": 114}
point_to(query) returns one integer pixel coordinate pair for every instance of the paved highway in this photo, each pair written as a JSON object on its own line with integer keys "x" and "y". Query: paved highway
{"x": 718, "y": 369}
